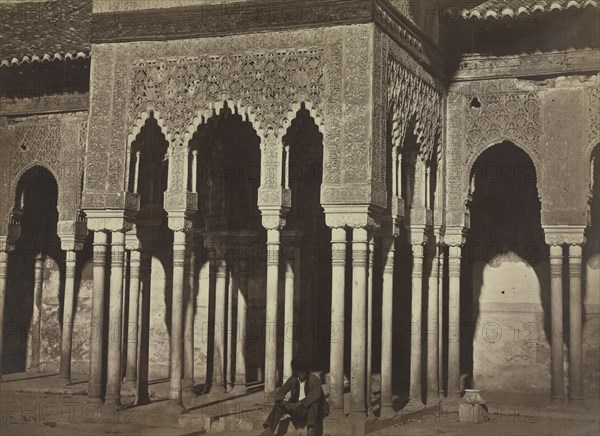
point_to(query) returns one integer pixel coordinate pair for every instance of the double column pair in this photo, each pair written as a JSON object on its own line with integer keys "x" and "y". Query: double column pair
{"x": 360, "y": 329}
{"x": 575, "y": 318}
{"x": 114, "y": 376}
{"x": 229, "y": 281}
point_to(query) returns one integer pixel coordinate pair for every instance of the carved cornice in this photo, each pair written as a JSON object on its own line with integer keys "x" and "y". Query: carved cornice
{"x": 226, "y": 19}
{"x": 45, "y": 104}
{"x": 353, "y": 216}
{"x": 475, "y": 67}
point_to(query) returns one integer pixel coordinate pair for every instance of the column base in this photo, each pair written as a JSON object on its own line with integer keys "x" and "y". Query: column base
{"x": 175, "y": 407}
{"x": 433, "y": 399}
{"x": 130, "y": 385}
{"x": 113, "y": 404}
{"x": 386, "y": 411}
{"x": 217, "y": 389}
{"x": 143, "y": 399}
{"x": 64, "y": 380}
{"x": 576, "y": 404}
{"x": 98, "y": 401}
{"x": 239, "y": 388}
{"x": 414, "y": 406}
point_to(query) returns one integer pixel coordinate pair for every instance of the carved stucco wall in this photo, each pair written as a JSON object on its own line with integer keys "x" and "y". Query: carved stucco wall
{"x": 551, "y": 120}
{"x": 265, "y": 77}
{"x": 56, "y": 142}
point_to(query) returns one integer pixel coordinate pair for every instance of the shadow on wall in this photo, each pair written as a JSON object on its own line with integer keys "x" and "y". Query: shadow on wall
{"x": 36, "y": 195}
{"x": 505, "y": 304}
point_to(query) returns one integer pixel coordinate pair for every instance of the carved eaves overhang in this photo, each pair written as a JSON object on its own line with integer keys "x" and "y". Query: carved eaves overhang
{"x": 497, "y": 9}
{"x": 50, "y": 31}
{"x": 256, "y": 16}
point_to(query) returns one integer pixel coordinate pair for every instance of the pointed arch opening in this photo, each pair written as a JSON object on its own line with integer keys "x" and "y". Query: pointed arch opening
{"x": 505, "y": 276}
{"x": 307, "y": 250}
{"x": 35, "y": 273}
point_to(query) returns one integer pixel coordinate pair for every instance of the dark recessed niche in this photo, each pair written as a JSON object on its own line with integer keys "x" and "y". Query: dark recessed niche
{"x": 474, "y": 103}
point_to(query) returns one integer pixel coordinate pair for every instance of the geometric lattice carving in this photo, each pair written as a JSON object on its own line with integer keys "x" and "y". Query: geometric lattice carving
{"x": 500, "y": 116}
{"x": 593, "y": 114}
{"x": 263, "y": 83}
{"x": 410, "y": 98}
{"x": 39, "y": 143}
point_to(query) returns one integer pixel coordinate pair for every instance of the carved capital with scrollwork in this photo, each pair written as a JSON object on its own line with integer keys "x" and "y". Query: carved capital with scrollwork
{"x": 559, "y": 235}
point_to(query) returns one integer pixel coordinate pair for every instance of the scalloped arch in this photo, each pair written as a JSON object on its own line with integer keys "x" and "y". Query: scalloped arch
{"x": 140, "y": 121}
{"x": 292, "y": 113}
{"x": 247, "y": 112}
{"x": 466, "y": 177}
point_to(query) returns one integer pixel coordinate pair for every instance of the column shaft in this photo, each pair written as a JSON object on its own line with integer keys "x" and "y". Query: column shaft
{"x": 95, "y": 386}
{"x": 3, "y": 273}
{"x": 416, "y": 324}
{"x": 556, "y": 320}
{"x": 454, "y": 258}
{"x": 432, "y": 330}
{"x": 229, "y": 333}
{"x": 359, "y": 320}
{"x": 218, "y": 381}
{"x": 144, "y": 326}
{"x": 188, "y": 328}
{"x": 113, "y": 377}
{"x": 176, "y": 370}
{"x": 441, "y": 263}
{"x": 288, "y": 318}
{"x": 132, "y": 323}
{"x": 34, "y": 334}
{"x": 368, "y": 388}
{"x": 66, "y": 344}
{"x": 338, "y": 283}
{"x": 387, "y": 316}
{"x": 273, "y": 238}
{"x": 575, "y": 346}
{"x": 240, "y": 349}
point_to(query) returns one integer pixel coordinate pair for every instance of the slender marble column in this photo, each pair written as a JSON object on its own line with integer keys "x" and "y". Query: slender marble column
{"x": 97, "y": 322}
{"x": 441, "y": 263}
{"x": 387, "y": 315}
{"x": 3, "y": 273}
{"x": 240, "y": 349}
{"x": 176, "y": 370}
{"x": 454, "y": 257}
{"x": 433, "y": 331}
{"x": 34, "y": 335}
{"x": 273, "y": 238}
{"x": 338, "y": 283}
{"x": 229, "y": 332}
{"x": 132, "y": 323}
{"x": 115, "y": 315}
{"x": 556, "y": 266}
{"x": 218, "y": 381}
{"x": 359, "y": 321}
{"x": 416, "y": 324}
{"x": 188, "y": 328}
{"x": 369, "y": 390}
{"x": 575, "y": 347}
{"x": 66, "y": 343}
{"x": 144, "y": 326}
{"x": 288, "y": 314}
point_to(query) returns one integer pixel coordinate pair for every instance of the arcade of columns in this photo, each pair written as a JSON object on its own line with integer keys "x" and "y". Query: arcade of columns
{"x": 130, "y": 245}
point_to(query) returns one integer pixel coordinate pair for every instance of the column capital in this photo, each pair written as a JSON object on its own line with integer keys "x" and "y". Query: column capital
{"x": 559, "y": 235}
{"x": 132, "y": 242}
{"x": 108, "y": 220}
{"x": 455, "y": 236}
{"x": 273, "y": 221}
{"x": 353, "y": 216}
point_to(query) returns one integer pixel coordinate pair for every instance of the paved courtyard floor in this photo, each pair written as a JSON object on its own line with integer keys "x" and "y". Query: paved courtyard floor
{"x": 40, "y": 404}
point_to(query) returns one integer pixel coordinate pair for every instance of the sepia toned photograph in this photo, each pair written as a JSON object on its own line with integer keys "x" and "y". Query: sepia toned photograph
{"x": 300, "y": 217}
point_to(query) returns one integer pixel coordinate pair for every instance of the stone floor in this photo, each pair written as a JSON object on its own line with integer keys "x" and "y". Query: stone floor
{"x": 33, "y": 404}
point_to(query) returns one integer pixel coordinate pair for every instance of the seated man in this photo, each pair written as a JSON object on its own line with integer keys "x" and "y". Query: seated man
{"x": 307, "y": 403}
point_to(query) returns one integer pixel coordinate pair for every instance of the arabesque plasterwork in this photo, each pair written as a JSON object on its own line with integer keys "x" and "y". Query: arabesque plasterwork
{"x": 55, "y": 142}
